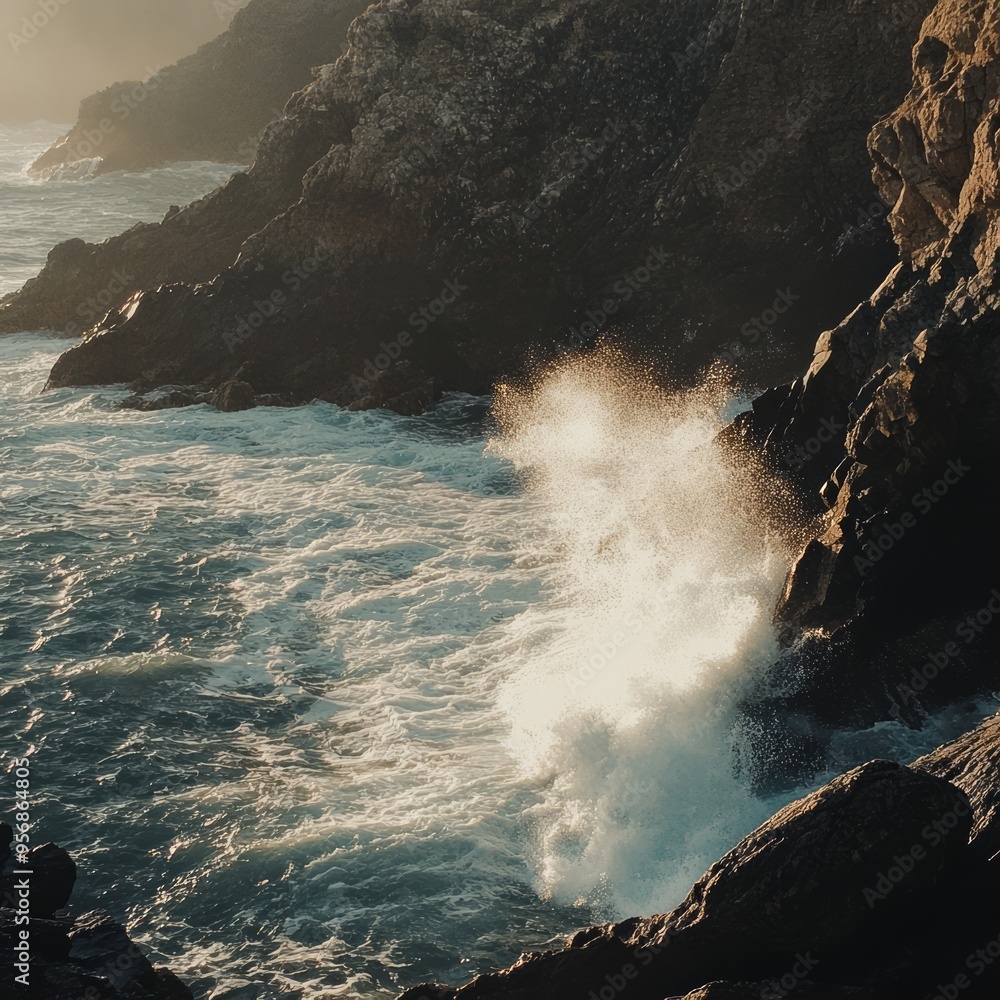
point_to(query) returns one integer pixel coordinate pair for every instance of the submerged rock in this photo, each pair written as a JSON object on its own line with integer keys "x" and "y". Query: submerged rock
{"x": 234, "y": 396}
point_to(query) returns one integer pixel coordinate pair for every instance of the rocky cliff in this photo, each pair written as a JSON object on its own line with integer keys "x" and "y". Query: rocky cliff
{"x": 212, "y": 105}
{"x": 474, "y": 184}
{"x": 893, "y": 433}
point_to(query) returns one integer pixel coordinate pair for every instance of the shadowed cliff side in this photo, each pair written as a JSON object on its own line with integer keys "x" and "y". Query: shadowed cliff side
{"x": 481, "y": 184}
{"x": 893, "y": 434}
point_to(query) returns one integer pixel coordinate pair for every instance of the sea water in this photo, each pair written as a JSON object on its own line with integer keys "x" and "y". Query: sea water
{"x": 328, "y": 704}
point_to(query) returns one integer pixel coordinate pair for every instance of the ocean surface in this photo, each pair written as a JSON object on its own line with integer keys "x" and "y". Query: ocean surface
{"x": 328, "y": 704}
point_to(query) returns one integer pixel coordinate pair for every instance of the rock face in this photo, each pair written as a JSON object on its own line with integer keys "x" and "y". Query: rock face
{"x": 830, "y": 897}
{"x": 473, "y": 183}
{"x": 894, "y": 431}
{"x": 70, "y": 957}
{"x": 212, "y": 105}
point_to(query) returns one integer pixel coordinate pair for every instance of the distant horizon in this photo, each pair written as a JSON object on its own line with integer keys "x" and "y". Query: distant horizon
{"x": 67, "y": 50}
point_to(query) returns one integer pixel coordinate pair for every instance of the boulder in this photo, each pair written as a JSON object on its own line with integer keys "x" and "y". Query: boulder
{"x": 234, "y": 396}
{"x": 840, "y": 880}
{"x": 52, "y": 880}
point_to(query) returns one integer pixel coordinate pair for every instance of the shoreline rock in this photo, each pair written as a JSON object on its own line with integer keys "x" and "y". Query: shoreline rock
{"x": 866, "y": 888}
{"x": 889, "y": 608}
{"x": 72, "y": 956}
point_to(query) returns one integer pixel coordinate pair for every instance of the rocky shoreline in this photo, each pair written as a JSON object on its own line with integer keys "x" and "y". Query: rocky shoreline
{"x": 573, "y": 170}
{"x": 878, "y": 886}
{"x": 70, "y": 957}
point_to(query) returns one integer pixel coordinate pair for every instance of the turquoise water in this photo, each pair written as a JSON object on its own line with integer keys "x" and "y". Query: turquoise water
{"x": 328, "y": 703}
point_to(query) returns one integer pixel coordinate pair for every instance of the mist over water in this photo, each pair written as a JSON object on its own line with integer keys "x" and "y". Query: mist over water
{"x": 56, "y": 52}
{"x": 330, "y": 703}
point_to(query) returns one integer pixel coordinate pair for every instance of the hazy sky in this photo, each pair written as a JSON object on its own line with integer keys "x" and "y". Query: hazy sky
{"x": 84, "y": 45}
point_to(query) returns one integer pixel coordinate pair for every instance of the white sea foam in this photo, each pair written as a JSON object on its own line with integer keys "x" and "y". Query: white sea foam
{"x": 657, "y": 609}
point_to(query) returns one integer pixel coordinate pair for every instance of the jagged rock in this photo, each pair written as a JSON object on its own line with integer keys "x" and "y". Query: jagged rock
{"x": 212, "y": 105}
{"x": 972, "y": 763}
{"x": 475, "y": 185}
{"x": 401, "y": 388}
{"x": 845, "y": 876}
{"x": 71, "y": 957}
{"x": 53, "y": 878}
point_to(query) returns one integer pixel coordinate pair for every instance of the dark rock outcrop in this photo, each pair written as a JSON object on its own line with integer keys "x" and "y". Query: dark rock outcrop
{"x": 212, "y": 105}
{"x": 831, "y": 895}
{"x": 476, "y": 185}
{"x": 69, "y": 957}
